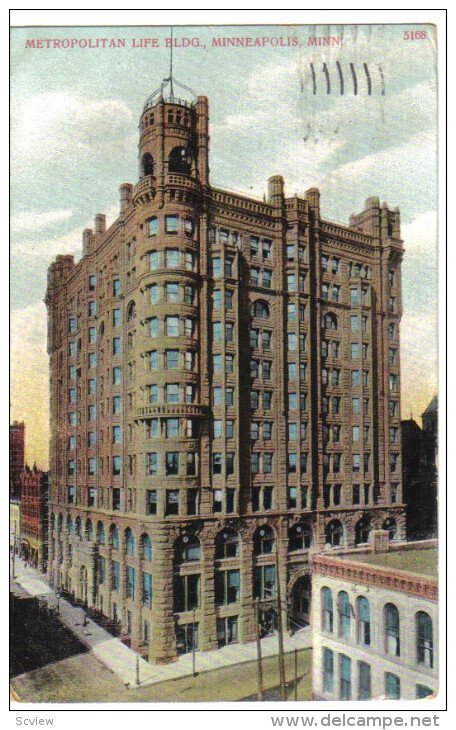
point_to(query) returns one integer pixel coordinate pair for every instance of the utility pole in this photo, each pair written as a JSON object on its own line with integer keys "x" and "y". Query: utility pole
{"x": 194, "y": 645}
{"x": 296, "y": 675}
{"x": 137, "y": 670}
{"x": 280, "y": 627}
{"x": 14, "y": 551}
{"x": 258, "y": 643}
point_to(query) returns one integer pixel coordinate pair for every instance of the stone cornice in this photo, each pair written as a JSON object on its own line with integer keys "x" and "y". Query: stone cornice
{"x": 374, "y": 575}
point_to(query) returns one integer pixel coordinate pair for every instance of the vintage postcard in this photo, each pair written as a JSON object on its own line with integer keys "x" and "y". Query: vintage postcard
{"x": 224, "y": 449}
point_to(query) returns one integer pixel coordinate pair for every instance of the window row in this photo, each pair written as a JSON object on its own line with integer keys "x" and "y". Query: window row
{"x": 172, "y": 258}
{"x": 172, "y": 326}
{"x": 172, "y": 224}
{"x": 357, "y": 618}
{"x": 172, "y": 291}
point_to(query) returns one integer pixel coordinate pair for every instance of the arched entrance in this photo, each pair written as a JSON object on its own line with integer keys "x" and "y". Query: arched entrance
{"x": 83, "y": 584}
{"x": 268, "y": 621}
{"x": 300, "y": 603}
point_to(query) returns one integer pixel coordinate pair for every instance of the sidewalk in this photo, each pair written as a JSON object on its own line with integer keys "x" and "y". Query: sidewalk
{"x": 123, "y": 662}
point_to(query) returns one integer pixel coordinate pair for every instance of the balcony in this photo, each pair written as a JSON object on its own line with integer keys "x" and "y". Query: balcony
{"x": 144, "y": 191}
{"x": 190, "y": 410}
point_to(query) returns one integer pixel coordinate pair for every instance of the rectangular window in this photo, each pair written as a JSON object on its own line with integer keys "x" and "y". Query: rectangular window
{"x": 115, "y": 575}
{"x": 172, "y": 326}
{"x": 172, "y": 359}
{"x": 172, "y": 292}
{"x": 116, "y": 346}
{"x": 354, "y": 323}
{"x": 172, "y": 463}
{"x": 328, "y": 670}
{"x": 172, "y": 224}
{"x": 151, "y": 501}
{"x": 345, "y": 677}
{"x": 131, "y": 579}
{"x": 153, "y": 226}
{"x": 364, "y": 681}
{"x": 153, "y": 327}
{"x": 147, "y": 589}
{"x": 227, "y": 587}
{"x": 264, "y": 582}
{"x": 172, "y": 502}
{"x": 151, "y": 463}
{"x": 216, "y": 267}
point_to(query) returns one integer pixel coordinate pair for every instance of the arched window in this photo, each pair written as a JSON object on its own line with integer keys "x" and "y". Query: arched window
{"x": 391, "y": 622}
{"x": 260, "y": 309}
{"x": 130, "y": 541}
{"x": 180, "y": 160}
{"x": 263, "y": 541}
{"x": 147, "y": 164}
{"x": 330, "y": 321}
{"x": 78, "y": 526}
{"x": 115, "y": 543}
{"x": 343, "y": 606}
{"x": 299, "y": 537}
{"x": 88, "y": 530}
{"x": 146, "y": 547}
{"x": 327, "y": 612}
{"x": 391, "y": 527}
{"x": 363, "y": 618}
{"x": 101, "y": 533}
{"x": 187, "y": 549}
{"x": 424, "y": 639}
{"x": 131, "y": 312}
{"x": 362, "y": 530}
{"x": 227, "y": 544}
{"x": 334, "y": 533}
{"x": 69, "y": 525}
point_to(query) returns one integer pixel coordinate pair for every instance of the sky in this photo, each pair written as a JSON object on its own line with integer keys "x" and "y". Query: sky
{"x": 74, "y": 135}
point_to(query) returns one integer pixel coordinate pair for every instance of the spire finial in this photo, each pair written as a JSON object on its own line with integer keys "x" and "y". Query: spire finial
{"x": 171, "y": 89}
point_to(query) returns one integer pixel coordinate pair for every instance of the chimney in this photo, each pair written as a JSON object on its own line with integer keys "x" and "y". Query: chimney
{"x": 126, "y": 195}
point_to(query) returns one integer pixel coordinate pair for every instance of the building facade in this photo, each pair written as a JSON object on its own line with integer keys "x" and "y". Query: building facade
{"x": 419, "y": 473}
{"x": 225, "y": 396}
{"x": 17, "y": 457}
{"x": 375, "y": 629}
{"x": 34, "y": 516}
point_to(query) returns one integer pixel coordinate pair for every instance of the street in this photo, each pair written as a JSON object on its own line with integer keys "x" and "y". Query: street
{"x": 50, "y": 665}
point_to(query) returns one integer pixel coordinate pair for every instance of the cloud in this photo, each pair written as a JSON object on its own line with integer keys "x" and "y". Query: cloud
{"x": 46, "y": 248}
{"x": 33, "y": 220}
{"x": 420, "y": 235}
{"x": 58, "y": 122}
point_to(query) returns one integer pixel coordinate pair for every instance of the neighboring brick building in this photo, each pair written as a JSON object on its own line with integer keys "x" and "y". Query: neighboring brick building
{"x": 224, "y": 382}
{"x": 34, "y": 516}
{"x": 17, "y": 457}
{"x": 419, "y": 473}
{"x": 375, "y": 623}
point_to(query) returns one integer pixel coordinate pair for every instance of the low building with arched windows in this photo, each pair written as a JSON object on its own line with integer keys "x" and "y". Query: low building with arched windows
{"x": 375, "y": 623}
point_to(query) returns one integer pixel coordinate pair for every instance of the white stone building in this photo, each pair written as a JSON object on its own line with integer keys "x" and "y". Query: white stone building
{"x": 375, "y": 624}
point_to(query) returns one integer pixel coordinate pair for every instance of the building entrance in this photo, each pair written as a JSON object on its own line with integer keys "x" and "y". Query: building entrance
{"x": 301, "y": 603}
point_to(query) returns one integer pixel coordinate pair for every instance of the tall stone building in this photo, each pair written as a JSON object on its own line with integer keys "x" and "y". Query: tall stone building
{"x": 225, "y": 396}
{"x": 17, "y": 457}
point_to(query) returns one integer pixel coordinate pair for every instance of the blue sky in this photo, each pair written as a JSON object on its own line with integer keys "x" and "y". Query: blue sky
{"x": 74, "y": 140}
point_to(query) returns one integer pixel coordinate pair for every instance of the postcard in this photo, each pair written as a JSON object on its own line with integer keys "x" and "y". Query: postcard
{"x": 224, "y": 444}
